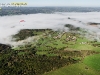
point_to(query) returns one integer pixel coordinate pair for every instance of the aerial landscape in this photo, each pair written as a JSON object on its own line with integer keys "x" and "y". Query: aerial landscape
{"x": 50, "y": 40}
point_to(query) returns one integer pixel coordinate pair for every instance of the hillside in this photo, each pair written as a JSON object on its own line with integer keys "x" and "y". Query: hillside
{"x": 53, "y": 52}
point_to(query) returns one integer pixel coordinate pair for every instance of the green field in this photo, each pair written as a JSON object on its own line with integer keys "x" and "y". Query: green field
{"x": 93, "y": 61}
{"x": 89, "y": 66}
{"x": 75, "y": 69}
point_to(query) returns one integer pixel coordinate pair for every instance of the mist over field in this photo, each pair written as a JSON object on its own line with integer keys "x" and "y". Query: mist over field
{"x": 10, "y": 25}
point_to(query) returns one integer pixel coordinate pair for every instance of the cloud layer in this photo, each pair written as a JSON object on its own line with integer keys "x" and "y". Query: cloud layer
{"x": 10, "y": 25}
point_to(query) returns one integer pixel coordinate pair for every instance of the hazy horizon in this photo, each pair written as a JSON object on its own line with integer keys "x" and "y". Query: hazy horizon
{"x": 37, "y": 3}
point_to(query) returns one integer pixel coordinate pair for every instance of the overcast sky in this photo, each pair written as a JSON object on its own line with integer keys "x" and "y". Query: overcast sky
{"x": 83, "y": 3}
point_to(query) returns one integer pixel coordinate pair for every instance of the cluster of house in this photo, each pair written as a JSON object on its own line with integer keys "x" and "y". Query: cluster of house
{"x": 71, "y": 38}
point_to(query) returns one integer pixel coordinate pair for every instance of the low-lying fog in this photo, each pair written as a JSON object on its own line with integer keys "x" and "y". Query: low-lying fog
{"x": 10, "y": 25}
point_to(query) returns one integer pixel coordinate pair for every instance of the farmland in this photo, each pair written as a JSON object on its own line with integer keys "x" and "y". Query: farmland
{"x": 50, "y": 53}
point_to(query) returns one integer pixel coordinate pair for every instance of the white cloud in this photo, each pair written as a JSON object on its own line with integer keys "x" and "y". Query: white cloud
{"x": 9, "y": 25}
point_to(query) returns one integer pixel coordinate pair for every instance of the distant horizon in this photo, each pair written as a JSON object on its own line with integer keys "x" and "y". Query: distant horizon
{"x": 60, "y": 3}
{"x": 57, "y": 6}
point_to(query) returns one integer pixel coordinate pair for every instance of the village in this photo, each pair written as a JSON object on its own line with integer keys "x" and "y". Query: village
{"x": 47, "y": 41}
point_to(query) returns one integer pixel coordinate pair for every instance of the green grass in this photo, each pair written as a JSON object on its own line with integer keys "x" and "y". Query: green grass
{"x": 79, "y": 46}
{"x": 93, "y": 61}
{"x": 21, "y": 53}
{"x": 82, "y": 47}
{"x": 41, "y": 53}
{"x": 86, "y": 46}
{"x": 75, "y": 69}
{"x": 96, "y": 49}
{"x": 52, "y": 54}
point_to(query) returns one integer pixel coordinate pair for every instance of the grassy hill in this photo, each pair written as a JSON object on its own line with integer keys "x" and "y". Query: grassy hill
{"x": 74, "y": 69}
{"x": 55, "y": 52}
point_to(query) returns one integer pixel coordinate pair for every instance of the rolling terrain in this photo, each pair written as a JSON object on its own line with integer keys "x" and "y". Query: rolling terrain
{"x": 55, "y": 52}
